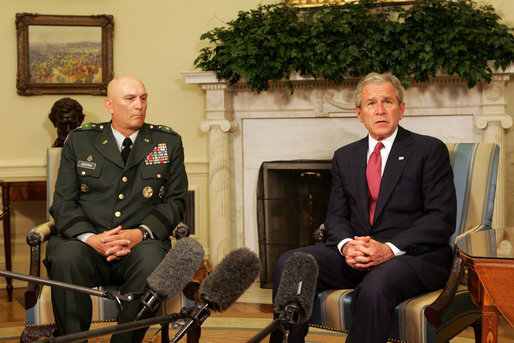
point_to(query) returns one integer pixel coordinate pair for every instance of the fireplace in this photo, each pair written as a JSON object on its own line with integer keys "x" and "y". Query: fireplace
{"x": 292, "y": 198}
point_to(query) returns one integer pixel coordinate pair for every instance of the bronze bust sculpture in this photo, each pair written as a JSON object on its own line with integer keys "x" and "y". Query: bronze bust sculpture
{"x": 66, "y": 115}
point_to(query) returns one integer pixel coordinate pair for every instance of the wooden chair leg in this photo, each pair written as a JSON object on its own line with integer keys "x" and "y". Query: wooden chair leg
{"x": 193, "y": 335}
{"x": 477, "y": 327}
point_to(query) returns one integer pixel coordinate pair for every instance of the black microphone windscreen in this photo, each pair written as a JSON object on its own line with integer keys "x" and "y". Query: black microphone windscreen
{"x": 230, "y": 279}
{"x": 298, "y": 283}
{"x": 177, "y": 268}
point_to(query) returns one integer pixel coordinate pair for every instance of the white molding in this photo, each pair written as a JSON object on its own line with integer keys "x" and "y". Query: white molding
{"x": 29, "y": 170}
{"x": 35, "y": 169}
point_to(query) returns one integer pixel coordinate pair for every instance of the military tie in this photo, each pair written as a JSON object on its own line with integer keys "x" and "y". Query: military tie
{"x": 374, "y": 176}
{"x": 127, "y": 142}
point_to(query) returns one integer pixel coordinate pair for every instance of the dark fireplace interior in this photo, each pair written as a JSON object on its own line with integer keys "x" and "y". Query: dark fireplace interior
{"x": 292, "y": 198}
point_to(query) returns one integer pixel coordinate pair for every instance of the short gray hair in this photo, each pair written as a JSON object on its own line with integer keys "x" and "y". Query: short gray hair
{"x": 378, "y": 78}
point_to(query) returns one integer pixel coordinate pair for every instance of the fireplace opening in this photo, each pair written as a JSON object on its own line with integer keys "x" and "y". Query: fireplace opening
{"x": 292, "y": 198}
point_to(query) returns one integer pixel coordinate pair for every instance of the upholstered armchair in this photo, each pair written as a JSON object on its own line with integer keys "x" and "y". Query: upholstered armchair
{"x": 439, "y": 315}
{"x": 39, "y": 319}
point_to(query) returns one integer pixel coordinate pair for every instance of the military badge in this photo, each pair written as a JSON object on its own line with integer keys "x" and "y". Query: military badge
{"x": 161, "y": 192}
{"x": 147, "y": 192}
{"x": 159, "y": 155}
{"x": 84, "y": 188}
{"x": 86, "y": 165}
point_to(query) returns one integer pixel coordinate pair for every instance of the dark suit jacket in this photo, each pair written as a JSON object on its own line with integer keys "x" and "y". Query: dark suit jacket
{"x": 95, "y": 191}
{"x": 416, "y": 206}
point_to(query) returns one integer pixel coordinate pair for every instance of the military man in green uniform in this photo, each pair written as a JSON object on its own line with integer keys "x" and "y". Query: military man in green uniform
{"x": 120, "y": 192}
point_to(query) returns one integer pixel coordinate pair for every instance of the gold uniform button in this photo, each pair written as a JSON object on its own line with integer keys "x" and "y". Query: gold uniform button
{"x": 148, "y": 192}
{"x": 151, "y": 126}
{"x": 159, "y": 176}
{"x": 124, "y": 179}
{"x": 101, "y": 126}
{"x": 83, "y": 172}
{"x": 117, "y": 214}
{"x": 121, "y": 196}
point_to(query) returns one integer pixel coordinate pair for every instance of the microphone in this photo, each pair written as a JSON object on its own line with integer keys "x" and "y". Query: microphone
{"x": 295, "y": 295}
{"x": 171, "y": 275}
{"x": 297, "y": 287}
{"x": 229, "y": 280}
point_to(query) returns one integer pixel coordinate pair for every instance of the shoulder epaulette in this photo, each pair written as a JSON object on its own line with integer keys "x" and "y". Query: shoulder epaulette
{"x": 162, "y": 128}
{"x": 91, "y": 126}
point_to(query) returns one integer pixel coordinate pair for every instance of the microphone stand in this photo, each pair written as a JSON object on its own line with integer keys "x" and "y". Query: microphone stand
{"x": 104, "y": 294}
{"x": 288, "y": 320}
{"x": 197, "y": 315}
{"x": 138, "y": 324}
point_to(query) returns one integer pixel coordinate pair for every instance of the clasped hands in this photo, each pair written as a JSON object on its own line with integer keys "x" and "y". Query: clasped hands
{"x": 362, "y": 252}
{"x": 115, "y": 243}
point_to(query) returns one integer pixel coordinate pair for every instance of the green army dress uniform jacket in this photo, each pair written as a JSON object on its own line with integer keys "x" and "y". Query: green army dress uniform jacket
{"x": 95, "y": 191}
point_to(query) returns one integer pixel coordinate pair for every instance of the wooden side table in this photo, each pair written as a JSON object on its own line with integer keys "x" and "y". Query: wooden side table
{"x": 17, "y": 189}
{"x": 490, "y": 278}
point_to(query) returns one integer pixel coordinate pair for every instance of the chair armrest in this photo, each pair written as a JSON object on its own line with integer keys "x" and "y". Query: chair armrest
{"x": 320, "y": 234}
{"x": 35, "y": 237}
{"x": 181, "y": 231}
{"x": 434, "y": 311}
{"x": 40, "y": 233}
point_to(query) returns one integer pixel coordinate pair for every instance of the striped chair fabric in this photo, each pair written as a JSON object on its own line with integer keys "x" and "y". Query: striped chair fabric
{"x": 104, "y": 310}
{"x": 475, "y": 167}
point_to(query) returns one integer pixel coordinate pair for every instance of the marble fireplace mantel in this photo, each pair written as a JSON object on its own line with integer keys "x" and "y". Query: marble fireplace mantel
{"x": 245, "y": 129}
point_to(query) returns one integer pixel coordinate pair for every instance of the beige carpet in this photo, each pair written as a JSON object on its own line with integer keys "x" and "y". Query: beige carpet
{"x": 218, "y": 330}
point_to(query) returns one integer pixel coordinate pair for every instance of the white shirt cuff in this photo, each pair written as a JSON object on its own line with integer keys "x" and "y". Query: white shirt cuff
{"x": 396, "y": 251}
{"x": 343, "y": 242}
{"x": 84, "y": 237}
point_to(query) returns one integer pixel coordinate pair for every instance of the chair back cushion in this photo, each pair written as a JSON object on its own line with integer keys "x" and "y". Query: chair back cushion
{"x": 475, "y": 166}
{"x": 53, "y": 159}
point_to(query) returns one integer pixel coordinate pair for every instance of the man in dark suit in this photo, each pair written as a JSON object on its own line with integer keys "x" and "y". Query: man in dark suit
{"x": 120, "y": 192}
{"x": 391, "y": 213}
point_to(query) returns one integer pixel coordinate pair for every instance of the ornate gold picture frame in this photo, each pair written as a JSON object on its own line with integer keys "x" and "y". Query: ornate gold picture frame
{"x": 314, "y": 3}
{"x": 60, "y": 54}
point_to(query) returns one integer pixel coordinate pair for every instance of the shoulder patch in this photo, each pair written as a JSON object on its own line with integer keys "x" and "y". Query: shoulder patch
{"x": 91, "y": 126}
{"x": 162, "y": 128}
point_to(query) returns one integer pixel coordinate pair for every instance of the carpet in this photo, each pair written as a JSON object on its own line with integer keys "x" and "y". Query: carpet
{"x": 213, "y": 334}
{"x": 209, "y": 335}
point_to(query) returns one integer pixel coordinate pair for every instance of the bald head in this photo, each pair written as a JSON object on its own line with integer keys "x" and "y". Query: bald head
{"x": 120, "y": 82}
{"x": 126, "y": 101}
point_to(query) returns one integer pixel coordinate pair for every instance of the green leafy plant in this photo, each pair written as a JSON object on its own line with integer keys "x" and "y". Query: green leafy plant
{"x": 268, "y": 44}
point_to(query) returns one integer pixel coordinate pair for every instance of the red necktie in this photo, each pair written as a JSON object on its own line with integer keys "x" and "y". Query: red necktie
{"x": 374, "y": 176}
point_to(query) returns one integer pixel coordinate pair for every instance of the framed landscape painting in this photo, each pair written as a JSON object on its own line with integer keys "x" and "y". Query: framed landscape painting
{"x": 64, "y": 54}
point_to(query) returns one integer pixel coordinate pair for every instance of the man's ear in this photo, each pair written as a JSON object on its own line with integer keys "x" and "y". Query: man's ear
{"x": 358, "y": 111}
{"x": 108, "y": 105}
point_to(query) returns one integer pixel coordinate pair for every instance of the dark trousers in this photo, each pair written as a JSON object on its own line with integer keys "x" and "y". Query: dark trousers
{"x": 377, "y": 292}
{"x": 72, "y": 261}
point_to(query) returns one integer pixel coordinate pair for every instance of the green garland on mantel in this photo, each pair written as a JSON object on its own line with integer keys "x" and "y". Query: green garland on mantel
{"x": 270, "y": 43}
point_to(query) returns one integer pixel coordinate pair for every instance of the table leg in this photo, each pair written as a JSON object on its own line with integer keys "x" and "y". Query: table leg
{"x": 489, "y": 319}
{"x": 7, "y": 235}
